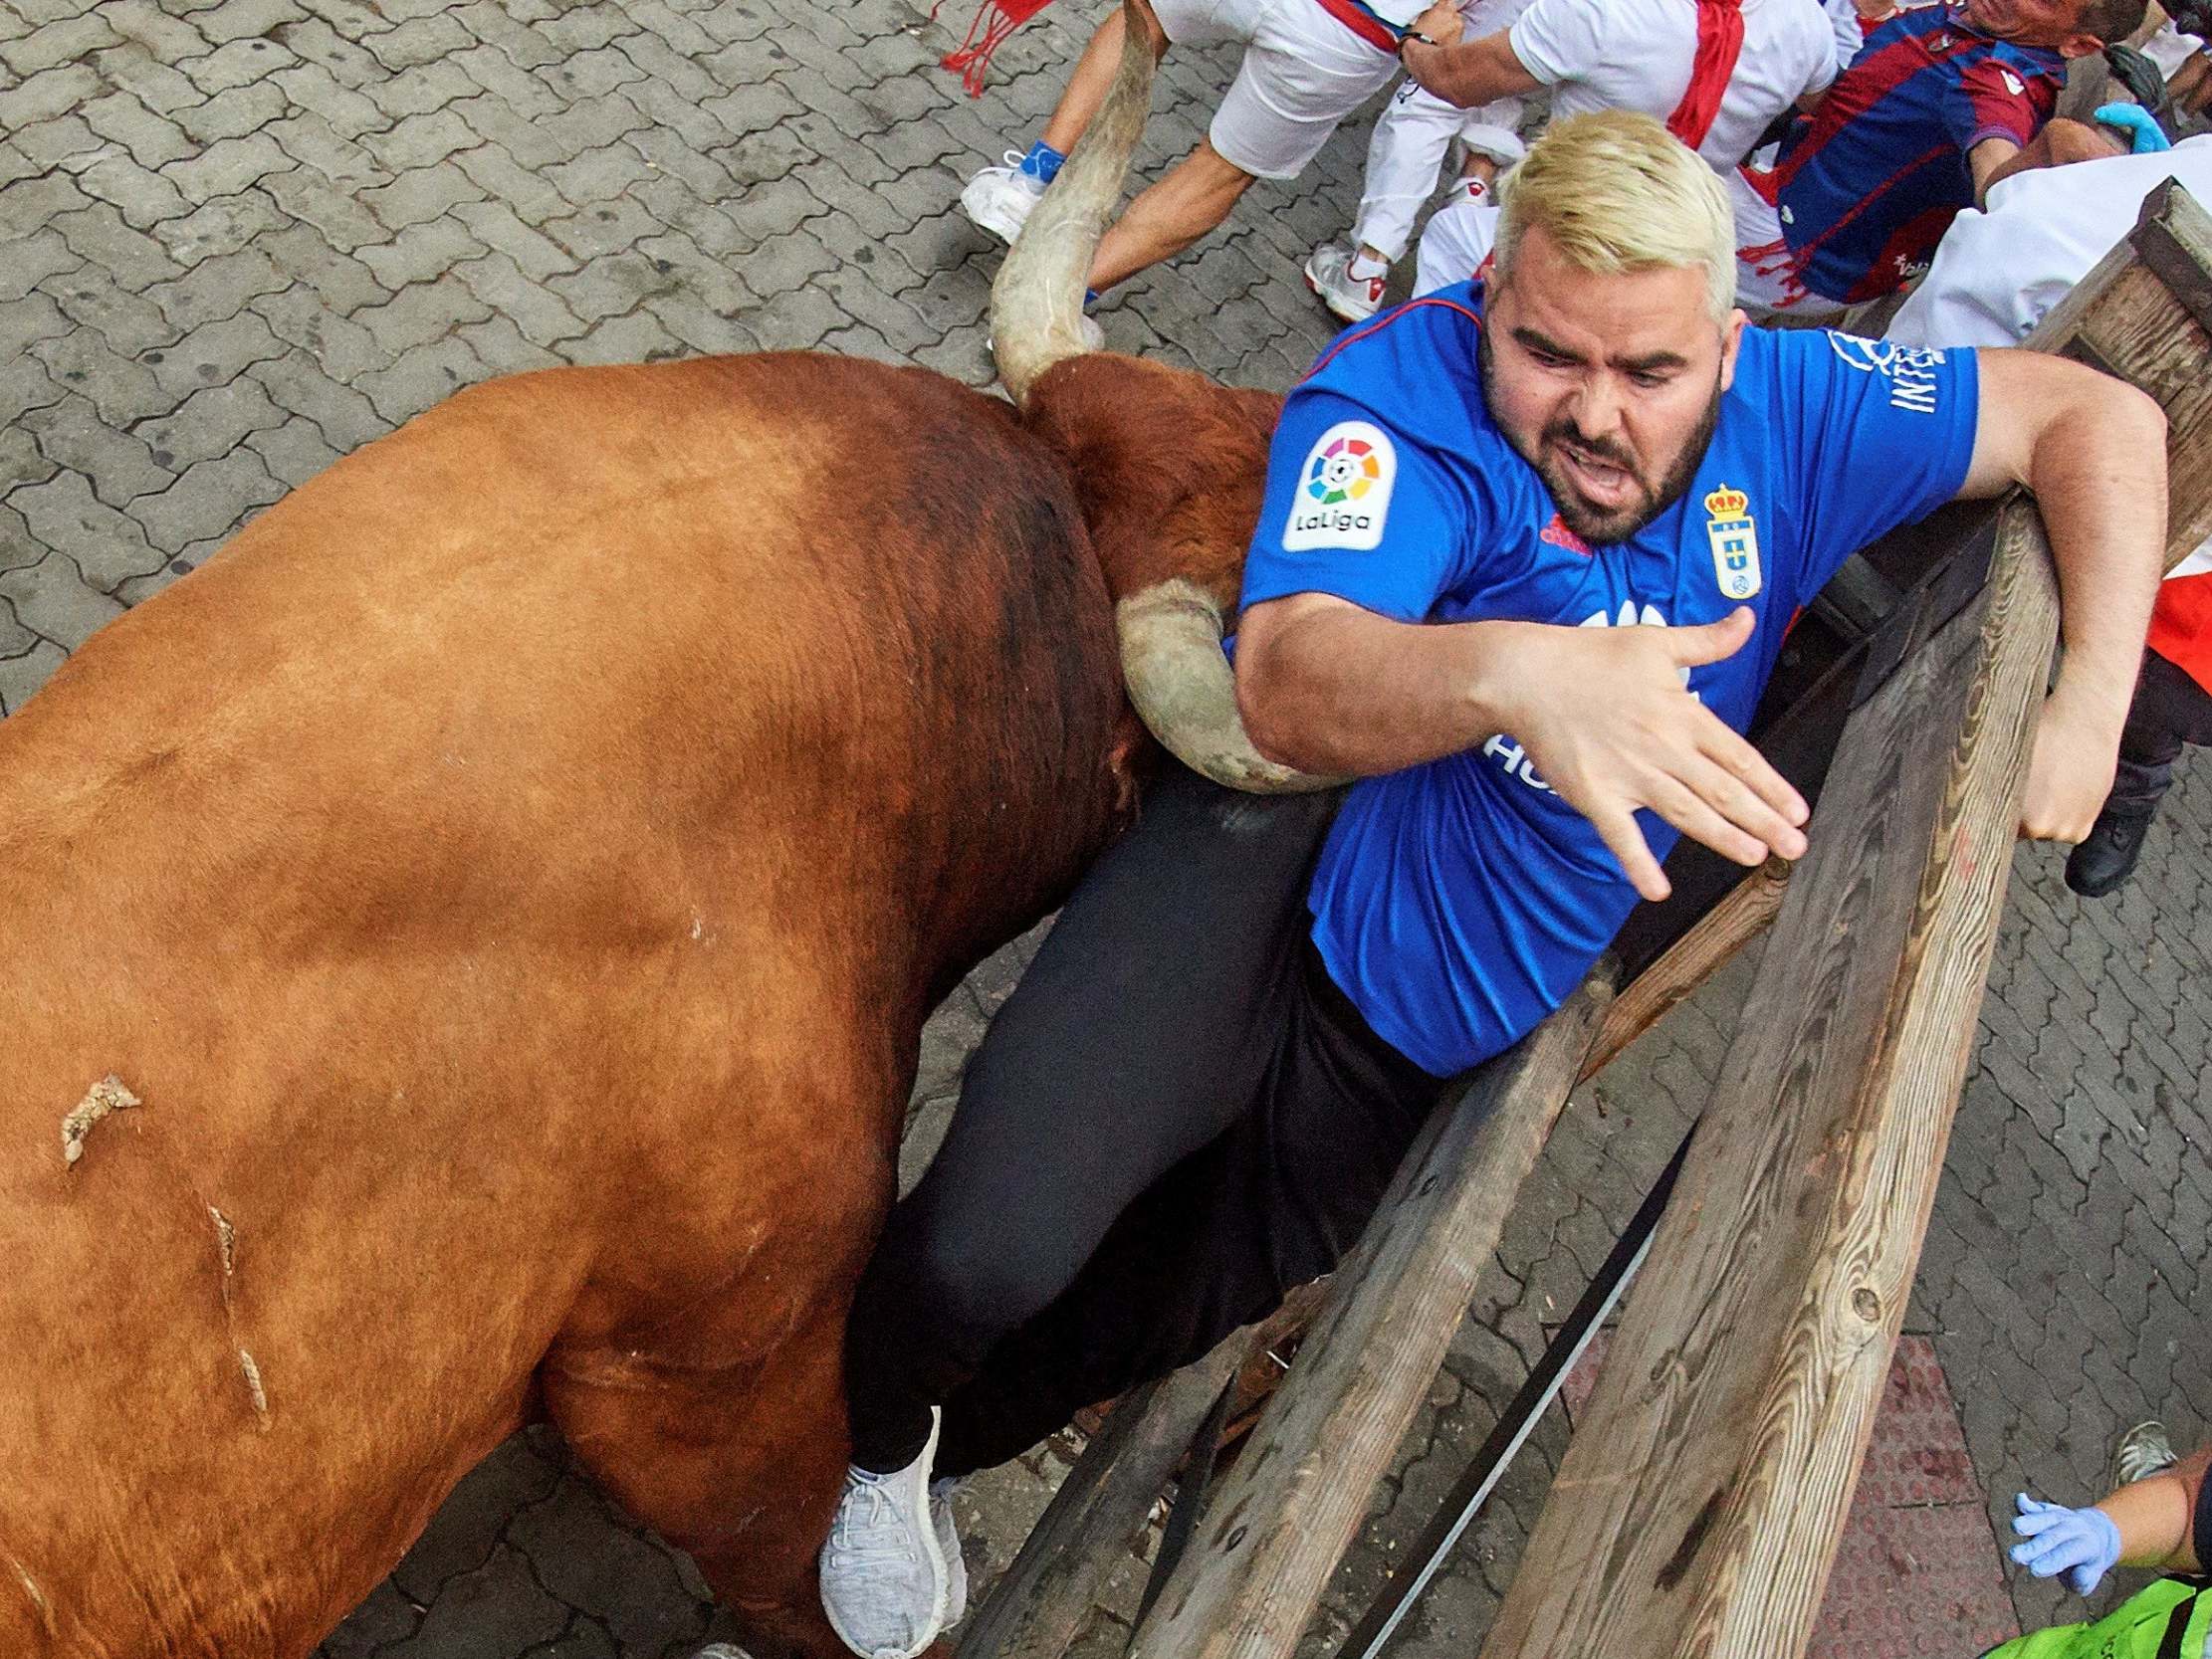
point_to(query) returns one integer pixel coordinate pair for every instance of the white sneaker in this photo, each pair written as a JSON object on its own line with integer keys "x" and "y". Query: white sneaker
{"x": 2142, "y": 1451}
{"x": 1329, "y": 275}
{"x": 883, "y": 1568}
{"x": 948, "y": 1541}
{"x": 999, "y": 199}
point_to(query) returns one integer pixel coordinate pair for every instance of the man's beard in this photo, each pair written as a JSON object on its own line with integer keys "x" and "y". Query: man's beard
{"x": 1600, "y": 526}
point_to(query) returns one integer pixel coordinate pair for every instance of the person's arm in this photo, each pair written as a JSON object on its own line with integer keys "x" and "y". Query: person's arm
{"x": 2156, "y": 1523}
{"x": 2157, "y": 1517}
{"x": 1328, "y": 687}
{"x": 2060, "y": 143}
{"x": 2093, "y": 453}
{"x": 1465, "y": 73}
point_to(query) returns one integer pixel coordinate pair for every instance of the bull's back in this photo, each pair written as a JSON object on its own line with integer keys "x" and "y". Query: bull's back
{"x": 444, "y": 867}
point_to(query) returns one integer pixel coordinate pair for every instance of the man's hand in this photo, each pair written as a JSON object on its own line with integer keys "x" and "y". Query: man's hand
{"x": 1604, "y": 716}
{"x": 2071, "y": 769}
{"x": 2190, "y": 85}
{"x": 1442, "y": 22}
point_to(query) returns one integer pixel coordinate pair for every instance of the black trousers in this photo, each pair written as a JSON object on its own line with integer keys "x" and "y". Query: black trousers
{"x": 2171, "y": 710}
{"x": 1174, "y": 1118}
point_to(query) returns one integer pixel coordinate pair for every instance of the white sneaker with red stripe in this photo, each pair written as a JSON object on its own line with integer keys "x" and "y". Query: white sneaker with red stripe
{"x": 1329, "y": 275}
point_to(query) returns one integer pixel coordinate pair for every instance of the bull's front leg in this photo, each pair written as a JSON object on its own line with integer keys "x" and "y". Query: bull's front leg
{"x": 738, "y": 1467}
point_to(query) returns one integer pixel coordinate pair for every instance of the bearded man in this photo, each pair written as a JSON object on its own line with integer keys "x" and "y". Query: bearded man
{"x": 1524, "y": 563}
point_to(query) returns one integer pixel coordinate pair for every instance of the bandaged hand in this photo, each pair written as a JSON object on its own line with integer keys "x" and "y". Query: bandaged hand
{"x": 2084, "y": 1543}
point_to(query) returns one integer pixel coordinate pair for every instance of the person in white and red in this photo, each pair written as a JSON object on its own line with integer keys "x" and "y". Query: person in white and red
{"x": 1717, "y": 71}
{"x": 1412, "y": 137}
{"x": 1996, "y": 272}
{"x": 1307, "y": 65}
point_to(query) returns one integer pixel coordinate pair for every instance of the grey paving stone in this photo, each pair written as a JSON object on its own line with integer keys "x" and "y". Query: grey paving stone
{"x": 217, "y": 287}
{"x": 419, "y": 194}
{"x": 235, "y": 66}
{"x": 496, "y": 225}
{"x": 224, "y": 225}
{"x": 210, "y": 422}
{"x": 212, "y": 499}
{"x": 294, "y": 451}
{"x": 144, "y": 197}
{"x": 25, "y": 671}
{"x": 321, "y": 273}
{"x": 311, "y": 198}
{"x": 237, "y": 111}
{"x": 421, "y": 376}
{"x": 119, "y": 465}
{"x": 53, "y": 601}
{"x": 121, "y": 389}
{"x": 346, "y": 418}
{"x": 420, "y": 253}
{"x": 421, "y": 314}
{"x": 536, "y": 311}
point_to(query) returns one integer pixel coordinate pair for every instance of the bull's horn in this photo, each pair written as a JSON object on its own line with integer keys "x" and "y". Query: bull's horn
{"x": 1036, "y": 305}
{"x": 1180, "y": 683}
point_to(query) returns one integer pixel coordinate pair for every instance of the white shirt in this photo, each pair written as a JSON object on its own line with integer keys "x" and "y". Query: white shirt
{"x": 1997, "y": 271}
{"x": 1638, "y": 55}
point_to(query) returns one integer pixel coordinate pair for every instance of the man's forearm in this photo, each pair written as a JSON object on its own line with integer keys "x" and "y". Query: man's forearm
{"x": 1331, "y": 688}
{"x": 2100, "y": 481}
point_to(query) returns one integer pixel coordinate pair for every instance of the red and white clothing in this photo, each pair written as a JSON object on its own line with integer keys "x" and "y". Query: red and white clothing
{"x": 1996, "y": 274}
{"x": 1413, "y": 135}
{"x": 1641, "y": 55}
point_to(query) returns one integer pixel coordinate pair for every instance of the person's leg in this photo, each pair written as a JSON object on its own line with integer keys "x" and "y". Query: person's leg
{"x": 1141, "y": 1030}
{"x": 1302, "y": 72}
{"x": 1405, "y": 158}
{"x": 1093, "y": 77}
{"x": 1195, "y": 195}
{"x": 1273, "y": 1204}
{"x": 1453, "y": 244}
{"x": 1001, "y": 197}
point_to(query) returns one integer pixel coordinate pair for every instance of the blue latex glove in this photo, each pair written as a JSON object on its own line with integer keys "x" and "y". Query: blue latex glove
{"x": 2135, "y": 121}
{"x": 2082, "y": 1544}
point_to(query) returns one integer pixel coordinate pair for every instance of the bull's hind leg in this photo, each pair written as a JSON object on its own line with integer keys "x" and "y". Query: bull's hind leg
{"x": 738, "y": 1467}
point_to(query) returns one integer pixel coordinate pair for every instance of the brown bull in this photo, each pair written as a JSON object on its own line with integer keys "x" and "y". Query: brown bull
{"x": 462, "y": 953}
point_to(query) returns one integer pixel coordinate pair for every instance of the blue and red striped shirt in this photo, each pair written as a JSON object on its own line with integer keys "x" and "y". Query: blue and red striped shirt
{"x": 1868, "y": 184}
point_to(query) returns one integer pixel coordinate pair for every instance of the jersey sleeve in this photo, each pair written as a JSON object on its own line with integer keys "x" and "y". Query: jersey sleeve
{"x": 1560, "y": 40}
{"x": 1354, "y": 510}
{"x": 1996, "y": 100}
{"x": 1884, "y": 436}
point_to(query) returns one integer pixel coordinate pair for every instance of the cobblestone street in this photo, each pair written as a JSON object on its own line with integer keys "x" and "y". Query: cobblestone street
{"x": 240, "y": 239}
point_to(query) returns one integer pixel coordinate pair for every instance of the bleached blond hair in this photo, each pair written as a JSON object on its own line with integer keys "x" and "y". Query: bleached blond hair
{"x": 1615, "y": 191}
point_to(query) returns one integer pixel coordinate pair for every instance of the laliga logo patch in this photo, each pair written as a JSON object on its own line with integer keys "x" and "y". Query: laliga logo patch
{"x": 1344, "y": 490}
{"x": 1735, "y": 541}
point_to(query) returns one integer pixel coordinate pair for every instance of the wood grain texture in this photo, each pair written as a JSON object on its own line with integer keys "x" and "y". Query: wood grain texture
{"x": 1038, "y": 1606}
{"x": 1743, "y": 913}
{"x": 1275, "y": 1529}
{"x": 1697, "y": 1509}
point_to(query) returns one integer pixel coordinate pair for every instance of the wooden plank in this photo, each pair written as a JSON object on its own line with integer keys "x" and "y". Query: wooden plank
{"x": 1743, "y": 913}
{"x": 1275, "y": 1529}
{"x": 1697, "y": 1509}
{"x": 1037, "y": 1609}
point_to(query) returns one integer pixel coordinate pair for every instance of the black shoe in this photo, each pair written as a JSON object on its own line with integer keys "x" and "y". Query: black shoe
{"x": 2103, "y": 859}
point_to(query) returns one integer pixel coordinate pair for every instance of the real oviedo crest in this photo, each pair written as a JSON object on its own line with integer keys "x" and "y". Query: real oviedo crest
{"x": 1343, "y": 492}
{"x": 1735, "y": 541}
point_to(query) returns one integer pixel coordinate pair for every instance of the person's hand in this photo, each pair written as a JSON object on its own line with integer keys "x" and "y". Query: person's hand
{"x": 2136, "y": 122}
{"x": 1442, "y": 23}
{"x": 2082, "y": 1544}
{"x": 1605, "y": 716}
{"x": 2071, "y": 771}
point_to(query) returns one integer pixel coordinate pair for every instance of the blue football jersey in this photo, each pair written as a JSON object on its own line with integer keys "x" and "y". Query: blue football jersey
{"x": 1459, "y": 901}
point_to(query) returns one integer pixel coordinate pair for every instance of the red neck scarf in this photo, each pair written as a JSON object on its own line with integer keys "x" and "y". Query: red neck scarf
{"x": 1719, "y": 43}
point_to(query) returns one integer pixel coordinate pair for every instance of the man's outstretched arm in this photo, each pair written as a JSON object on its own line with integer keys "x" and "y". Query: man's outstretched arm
{"x": 1328, "y": 687}
{"x": 2093, "y": 453}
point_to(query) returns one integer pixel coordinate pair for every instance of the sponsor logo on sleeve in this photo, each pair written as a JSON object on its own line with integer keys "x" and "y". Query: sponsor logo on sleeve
{"x": 1342, "y": 495}
{"x": 1910, "y": 369}
{"x": 1734, "y": 536}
